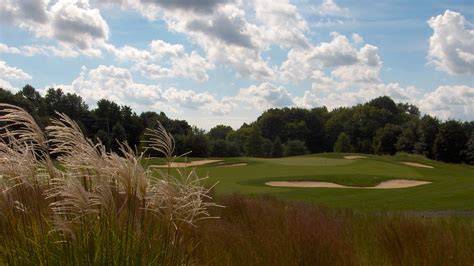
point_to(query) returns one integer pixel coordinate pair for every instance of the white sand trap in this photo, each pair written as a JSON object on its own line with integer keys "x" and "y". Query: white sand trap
{"x": 187, "y": 164}
{"x": 354, "y": 157}
{"x": 417, "y": 164}
{"x": 389, "y": 184}
{"x": 233, "y": 165}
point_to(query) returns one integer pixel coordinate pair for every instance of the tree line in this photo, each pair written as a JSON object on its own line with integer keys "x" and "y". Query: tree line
{"x": 379, "y": 126}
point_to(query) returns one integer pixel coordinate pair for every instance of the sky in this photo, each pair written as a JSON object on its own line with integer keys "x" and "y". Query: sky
{"x": 226, "y": 61}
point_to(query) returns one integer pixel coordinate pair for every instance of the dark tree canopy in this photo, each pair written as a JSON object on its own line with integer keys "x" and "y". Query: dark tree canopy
{"x": 450, "y": 141}
{"x": 343, "y": 143}
{"x": 378, "y": 126}
{"x": 295, "y": 147}
{"x": 254, "y": 143}
{"x": 385, "y": 139}
{"x": 277, "y": 148}
{"x": 219, "y": 132}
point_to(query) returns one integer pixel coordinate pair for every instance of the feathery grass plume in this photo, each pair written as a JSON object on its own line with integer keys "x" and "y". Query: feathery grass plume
{"x": 187, "y": 200}
{"x": 131, "y": 177}
{"x": 73, "y": 205}
{"x": 103, "y": 207}
{"x": 161, "y": 141}
{"x": 17, "y": 163}
{"x": 182, "y": 198}
{"x": 21, "y": 133}
{"x": 74, "y": 150}
{"x": 23, "y": 127}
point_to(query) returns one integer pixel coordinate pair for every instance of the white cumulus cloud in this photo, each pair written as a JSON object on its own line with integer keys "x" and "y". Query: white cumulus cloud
{"x": 452, "y": 43}
{"x": 72, "y": 23}
{"x": 117, "y": 84}
{"x": 12, "y": 73}
{"x": 264, "y": 96}
{"x": 450, "y": 102}
{"x": 331, "y": 8}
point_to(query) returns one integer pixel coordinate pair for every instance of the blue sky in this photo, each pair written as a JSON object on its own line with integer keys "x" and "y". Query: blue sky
{"x": 224, "y": 62}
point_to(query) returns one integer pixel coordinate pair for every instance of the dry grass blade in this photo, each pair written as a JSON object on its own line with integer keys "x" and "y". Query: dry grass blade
{"x": 72, "y": 200}
{"x": 183, "y": 199}
{"x": 22, "y": 126}
{"x": 70, "y": 144}
{"x": 160, "y": 140}
{"x": 127, "y": 170}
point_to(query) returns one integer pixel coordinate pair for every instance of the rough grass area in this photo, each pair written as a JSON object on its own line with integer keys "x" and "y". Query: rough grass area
{"x": 256, "y": 231}
{"x": 452, "y": 186}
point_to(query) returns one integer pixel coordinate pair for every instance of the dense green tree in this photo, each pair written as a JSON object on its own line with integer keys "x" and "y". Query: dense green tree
{"x": 365, "y": 121}
{"x": 34, "y": 99}
{"x": 408, "y": 138}
{"x": 386, "y": 103}
{"x": 218, "y": 148}
{"x": 103, "y": 137}
{"x": 450, "y": 141}
{"x": 132, "y": 125}
{"x": 118, "y": 136}
{"x": 219, "y": 132}
{"x": 180, "y": 144}
{"x": 469, "y": 151}
{"x": 197, "y": 142}
{"x": 70, "y": 104}
{"x": 107, "y": 114}
{"x": 409, "y": 109}
{"x": 10, "y": 98}
{"x": 295, "y": 147}
{"x": 272, "y": 123}
{"x": 266, "y": 147}
{"x": 379, "y": 126}
{"x": 254, "y": 142}
{"x": 233, "y": 150}
{"x": 337, "y": 122}
{"x": 297, "y": 130}
{"x": 385, "y": 139}
{"x": 315, "y": 136}
{"x": 343, "y": 143}
{"x": 240, "y": 137}
{"x": 277, "y": 148}
{"x": 427, "y": 130}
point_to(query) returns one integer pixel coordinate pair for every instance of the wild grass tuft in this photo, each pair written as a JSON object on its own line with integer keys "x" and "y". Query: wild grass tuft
{"x": 100, "y": 208}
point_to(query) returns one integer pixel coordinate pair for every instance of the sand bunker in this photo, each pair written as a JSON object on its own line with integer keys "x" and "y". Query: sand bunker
{"x": 233, "y": 165}
{"x": 389, "y": 184}
{"x": 188, "y": 164}
{"x": 417, "y": 164}
{"x": 354, "y": 157}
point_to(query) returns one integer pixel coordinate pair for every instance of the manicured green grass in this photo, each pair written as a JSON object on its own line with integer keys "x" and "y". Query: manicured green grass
{"x": 452, "y": 186}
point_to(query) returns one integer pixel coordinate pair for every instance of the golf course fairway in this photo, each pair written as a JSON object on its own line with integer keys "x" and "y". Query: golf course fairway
{"x": 445, "y": 186}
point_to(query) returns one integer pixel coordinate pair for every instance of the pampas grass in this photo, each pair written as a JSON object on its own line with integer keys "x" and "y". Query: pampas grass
{"x": 101, "y": 207}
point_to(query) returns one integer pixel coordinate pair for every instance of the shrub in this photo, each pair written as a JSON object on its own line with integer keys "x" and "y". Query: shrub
{"x": 295, "y": 147}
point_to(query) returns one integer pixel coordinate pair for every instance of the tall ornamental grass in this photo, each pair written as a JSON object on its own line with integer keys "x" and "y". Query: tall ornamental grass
{"x": 91, "y": 206}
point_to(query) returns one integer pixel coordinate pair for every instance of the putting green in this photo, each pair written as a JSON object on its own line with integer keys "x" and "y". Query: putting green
{"x": 451, "y": 187}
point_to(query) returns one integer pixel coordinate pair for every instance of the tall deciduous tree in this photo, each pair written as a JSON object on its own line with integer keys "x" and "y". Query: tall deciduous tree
{"x": 469, "y": 151}
{"x": 385, "y": 139}
{"x": 277, "y": 148}
{"x": 219, "y": 132}
{"x": 295, "y": 147}
{"x": 254, "y": 142}
{"x": 427, "y": 130}
{"x": 343, "y": 143}
{"x": 450, "y": 141}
